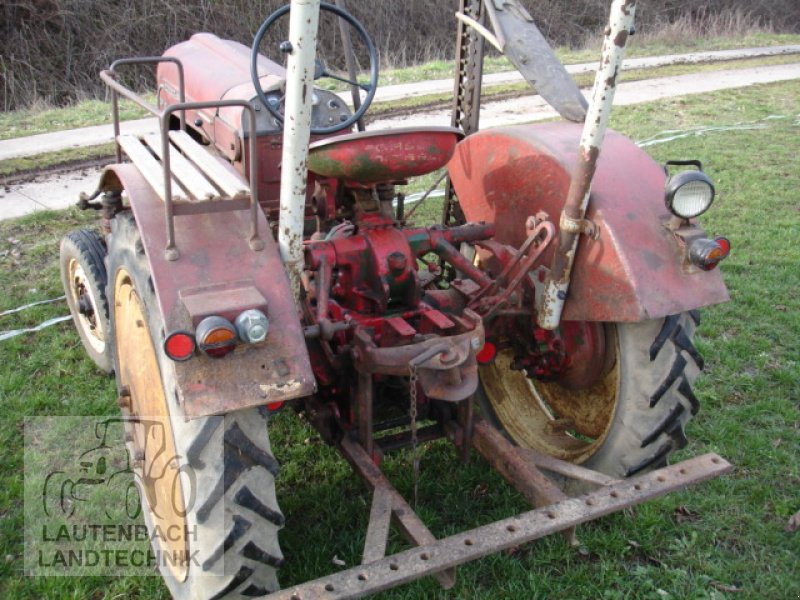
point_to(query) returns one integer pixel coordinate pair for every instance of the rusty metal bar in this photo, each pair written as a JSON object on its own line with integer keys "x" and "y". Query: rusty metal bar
{"x": 405, "y": 517}
{"x": 380, "y": 518}
{"x": 466, "y": 90}
{"x": 461, "y": 548}
{"x": 572, "y": 222}
{"x": 109, "y": 76}
{"x": 503, "y": 457}
{"x": 564, "y": 468}
{"x": 364, "y": 404}
{"x": 350, "y": 62}
{"x": 522, "y": 474}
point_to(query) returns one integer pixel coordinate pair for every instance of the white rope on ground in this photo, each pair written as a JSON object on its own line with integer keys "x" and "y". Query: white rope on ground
{"x": 670, "y": 135}
{"x": 21, "y": 308}
{"x": 7, "y": 335}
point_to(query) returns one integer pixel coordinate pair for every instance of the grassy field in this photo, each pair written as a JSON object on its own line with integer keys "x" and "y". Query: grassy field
{"x": 724, "y": 536}
{"x": 44, "y": 119}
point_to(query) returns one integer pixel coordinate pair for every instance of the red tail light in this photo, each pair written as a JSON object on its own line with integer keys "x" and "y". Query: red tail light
{"x": 180, "y": 345}
{"x": 487, "y": 353}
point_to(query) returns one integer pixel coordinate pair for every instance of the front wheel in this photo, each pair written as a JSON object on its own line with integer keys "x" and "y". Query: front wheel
{"x": 207, "y": 485}
{"x": 83, "y": 275}
{"x": 627, "y": 422}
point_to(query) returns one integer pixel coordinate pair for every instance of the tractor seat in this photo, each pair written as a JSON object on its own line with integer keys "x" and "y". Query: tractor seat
{"x": 384, "y": 156}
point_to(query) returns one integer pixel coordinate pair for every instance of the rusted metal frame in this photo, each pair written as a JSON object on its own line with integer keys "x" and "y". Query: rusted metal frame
{"x": 109, "y": 77}
{"x": 117, "y": 88}
{"x": 380, "y": 519}
{"x": 395, "y": 360}
{"x": 364, "y": 399}
{"x": 525, "y": 477}
{"x": 349, "y": 58}
{"x": 323, "y": 278}
{"x": 544, "y": 233}
{"x": 571, "y": 223}
{"x": 449, "y": 253}
{"x": 255, "y": 242}
{"x": 465, "y": 417}
{"x": 466, "y": 90}
{"x": 562, "y": 467}
{"x": 467, "y": 546}
{"x": 404, "y": 516}
{"x": 210, "y": 206}
{"x": 522, "y": 474}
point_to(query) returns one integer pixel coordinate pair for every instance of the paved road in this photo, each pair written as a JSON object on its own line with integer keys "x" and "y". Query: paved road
{"x": 62, "y": 190}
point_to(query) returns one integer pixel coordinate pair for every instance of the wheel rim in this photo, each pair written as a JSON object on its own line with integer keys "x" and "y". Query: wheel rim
{"x": 86, "y": 306}
{"x": 155, "y": 459}
{"x": 567, "y": 424}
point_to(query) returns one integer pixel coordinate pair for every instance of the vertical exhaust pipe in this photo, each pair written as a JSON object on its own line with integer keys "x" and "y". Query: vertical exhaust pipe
{"x": 571, "y": 223}
{"x": 303, "y": 22}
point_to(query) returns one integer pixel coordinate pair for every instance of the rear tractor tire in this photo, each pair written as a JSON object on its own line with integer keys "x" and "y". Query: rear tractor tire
{"x": 627, "y": 423}
{"x": 83, "y": 275}
{"x": 212, "y": 477}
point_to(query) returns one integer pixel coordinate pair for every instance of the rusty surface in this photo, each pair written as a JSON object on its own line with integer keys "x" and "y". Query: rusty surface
{"x": 528, "y": 50}
{"x": 216, "y": 252}
{"x": 502, "y": 455}
{"x": 401, "y": 512}
{"x": 446, "y": 365}
{"x": 220, "y": 69}
{"x": 215, "y": 69}
{"x": 467, "y": 546}
{"x": 466, "y": 90}
{"x": 372, "y": 157}
{"x": 634, "y": 271}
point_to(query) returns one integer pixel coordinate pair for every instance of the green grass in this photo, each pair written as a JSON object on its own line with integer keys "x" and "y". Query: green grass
{"x": 583, "y": 80}
{"x": 443, "y": 69}
{"x": 21, "y": 123}
{"x": 97, "y": 112}
{"x": 727, "y": 532}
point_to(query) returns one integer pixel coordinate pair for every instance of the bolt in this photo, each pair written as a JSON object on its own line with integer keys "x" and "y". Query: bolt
{"x": 396, "y": 262}
{"x": 448, "y": 357}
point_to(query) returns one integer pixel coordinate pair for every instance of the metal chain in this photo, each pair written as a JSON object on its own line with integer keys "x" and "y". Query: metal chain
{"x": 412, "y": 393}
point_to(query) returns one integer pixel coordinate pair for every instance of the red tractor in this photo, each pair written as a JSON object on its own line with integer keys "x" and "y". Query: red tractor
{"x": 547, "y": 322}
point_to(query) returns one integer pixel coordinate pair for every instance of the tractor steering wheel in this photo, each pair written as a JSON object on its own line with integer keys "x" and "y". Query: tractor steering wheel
{"x": 320, "y": 69}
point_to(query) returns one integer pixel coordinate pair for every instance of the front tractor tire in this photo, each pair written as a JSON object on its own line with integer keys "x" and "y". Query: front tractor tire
{"x": 628, "y": 422}
{"x": 212, "y": 477}
{"x": 83, "y": 275}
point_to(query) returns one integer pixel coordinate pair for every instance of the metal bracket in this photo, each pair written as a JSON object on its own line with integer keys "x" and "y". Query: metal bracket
{"x": 585, "y": 226}
{"x": 438, "y": 557}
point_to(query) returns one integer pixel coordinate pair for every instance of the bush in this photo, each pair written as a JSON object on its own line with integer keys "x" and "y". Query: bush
{"x": 52, "y": 50}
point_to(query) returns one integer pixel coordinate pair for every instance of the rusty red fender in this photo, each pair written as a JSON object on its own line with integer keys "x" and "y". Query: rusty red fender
{"x": 635, "y": 270}
{"x": 218, "y": 273}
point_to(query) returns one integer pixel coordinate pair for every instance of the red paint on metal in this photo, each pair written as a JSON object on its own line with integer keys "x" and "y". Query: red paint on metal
{"x": 215, "y": 252}
{"x": 634, "y": 271}
{"x": 218, "y": 69}
{"x": 370, "y": 157}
